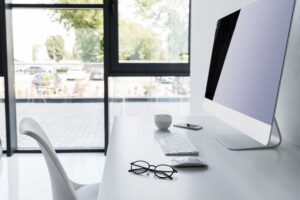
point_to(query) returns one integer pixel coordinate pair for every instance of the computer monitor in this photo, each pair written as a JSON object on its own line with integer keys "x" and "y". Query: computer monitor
{"x": 245, "y": 71}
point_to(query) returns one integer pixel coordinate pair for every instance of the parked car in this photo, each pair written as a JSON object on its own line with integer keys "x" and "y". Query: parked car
{"x": 47, "y": 82}
{"x": 75, "y": 73}
{"x": 96, "y": 74}
{"x": 34, "y": 70}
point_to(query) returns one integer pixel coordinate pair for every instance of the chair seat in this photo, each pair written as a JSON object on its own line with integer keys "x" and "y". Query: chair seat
{"x": 88, "y": 192}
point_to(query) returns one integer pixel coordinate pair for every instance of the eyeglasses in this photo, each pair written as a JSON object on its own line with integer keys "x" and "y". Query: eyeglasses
{"x": 161, "y": 171}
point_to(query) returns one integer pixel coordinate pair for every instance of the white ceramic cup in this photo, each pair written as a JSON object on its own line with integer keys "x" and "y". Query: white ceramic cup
{"x": 163, "y": 121}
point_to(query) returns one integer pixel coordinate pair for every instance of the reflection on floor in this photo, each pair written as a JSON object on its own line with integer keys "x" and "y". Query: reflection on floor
{"x": 25, "y": 176}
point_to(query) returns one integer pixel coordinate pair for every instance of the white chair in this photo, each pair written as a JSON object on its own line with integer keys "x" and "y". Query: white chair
{"x": 62, "y": 187}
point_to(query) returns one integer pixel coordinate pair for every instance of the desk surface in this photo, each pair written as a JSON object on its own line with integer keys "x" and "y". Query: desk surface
{"x": 261, "y": 174}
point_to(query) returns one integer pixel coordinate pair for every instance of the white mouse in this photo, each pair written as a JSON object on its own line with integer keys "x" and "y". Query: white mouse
{"x": 187, "y": 162}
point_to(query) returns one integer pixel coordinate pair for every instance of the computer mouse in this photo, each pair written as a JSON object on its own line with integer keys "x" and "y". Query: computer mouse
{"x": 188, "y": 162}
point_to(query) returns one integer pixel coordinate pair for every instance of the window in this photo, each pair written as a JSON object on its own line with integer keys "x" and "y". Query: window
{"x": 73, "y": 57}
{"x": 152, "y": 37}
{"x": 59, "y": 72}
{"x": 149, "y": 62}
{"x": 147, "y": 96}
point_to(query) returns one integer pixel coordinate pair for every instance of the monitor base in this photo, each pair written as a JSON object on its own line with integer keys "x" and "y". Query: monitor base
{"x": 239, "y": 142}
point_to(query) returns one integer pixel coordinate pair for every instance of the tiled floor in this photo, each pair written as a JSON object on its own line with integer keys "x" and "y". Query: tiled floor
{"x": 81, "y": 125}
{"x": 25, "y": 176}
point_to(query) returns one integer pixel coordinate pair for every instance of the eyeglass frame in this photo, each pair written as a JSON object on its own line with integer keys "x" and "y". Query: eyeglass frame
{"x": 153, "y": 170}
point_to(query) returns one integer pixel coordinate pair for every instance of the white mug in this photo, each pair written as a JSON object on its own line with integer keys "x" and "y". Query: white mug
{"x": 163, "y": 121}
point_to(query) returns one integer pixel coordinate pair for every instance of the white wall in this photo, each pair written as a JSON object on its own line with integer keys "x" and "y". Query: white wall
{"x": 205, "y": 14}
{"x": 288, "y": 107}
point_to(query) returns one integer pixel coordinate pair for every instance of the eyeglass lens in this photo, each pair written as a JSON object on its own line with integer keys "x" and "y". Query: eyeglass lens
{"x": 164, "y": 171}
{"x": 139, "y": 167}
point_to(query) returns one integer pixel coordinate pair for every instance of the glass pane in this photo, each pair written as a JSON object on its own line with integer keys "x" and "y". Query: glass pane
{"x": 2, "y": 114}
{"x": 58, "y": 1}
{"x": 59, "y": 75}
{"x": 147, "y": 96}
{"x": 153, "y": 31}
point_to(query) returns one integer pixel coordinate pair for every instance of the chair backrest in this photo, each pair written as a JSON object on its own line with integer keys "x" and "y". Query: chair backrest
{"x": 62, "y": 188}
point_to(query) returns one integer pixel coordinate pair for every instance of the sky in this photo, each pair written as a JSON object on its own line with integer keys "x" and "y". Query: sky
{"x": 32, "y": 27}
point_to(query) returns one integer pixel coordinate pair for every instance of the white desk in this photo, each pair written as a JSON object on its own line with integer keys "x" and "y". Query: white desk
{"x": 265, "y": 174}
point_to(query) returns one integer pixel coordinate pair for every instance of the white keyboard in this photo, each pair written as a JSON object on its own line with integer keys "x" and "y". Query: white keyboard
{"x": 176, "y": 144}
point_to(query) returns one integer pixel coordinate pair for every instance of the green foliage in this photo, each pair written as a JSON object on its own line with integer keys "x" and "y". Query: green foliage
{"x": 135, "y": 41}
{"x": 138, "y": 43}
{"x": 55, "y": 47}
{"x": 80, "y": 19}
{"x": 62, "y": 70}
{"x": 172, "y": 17}
{"x": 89, "y": 45}
{"x": 48, "y": 78}
{"x": 88, "y": 26}
{"x": 145, "y": 7}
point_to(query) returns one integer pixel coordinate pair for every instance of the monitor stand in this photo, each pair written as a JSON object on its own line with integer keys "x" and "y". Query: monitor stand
{"x": 239, "y": 142}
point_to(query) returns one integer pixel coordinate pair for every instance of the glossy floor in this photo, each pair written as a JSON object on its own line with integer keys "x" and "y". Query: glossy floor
{"x": 25, "y": 176}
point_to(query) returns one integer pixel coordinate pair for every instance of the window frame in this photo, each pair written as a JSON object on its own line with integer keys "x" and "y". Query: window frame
{"x": 111, "y": 67}
{"x": 140, "y": 68}
{"x": 8, "y": 73}
{"x": 10, "y": 100}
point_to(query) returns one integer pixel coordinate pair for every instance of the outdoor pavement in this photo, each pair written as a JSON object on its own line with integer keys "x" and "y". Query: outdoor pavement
{"x": 81, "y": 125}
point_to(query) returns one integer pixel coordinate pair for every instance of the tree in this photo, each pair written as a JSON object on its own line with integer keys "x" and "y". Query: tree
{"x": 88, "y": 27}
{"x": 139, "y": 43}
{"x": 55, "y": 47}
{"x": 135, "y": 42}
{"x": 89, "y": 45}
{"x": 172, "y": 17}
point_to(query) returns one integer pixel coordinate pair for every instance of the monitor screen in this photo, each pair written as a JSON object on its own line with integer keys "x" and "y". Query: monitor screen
{"x": 248, "y": 56}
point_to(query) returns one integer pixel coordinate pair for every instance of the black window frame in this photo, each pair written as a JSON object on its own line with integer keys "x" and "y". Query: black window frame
{"x": 140, "y": 68}
{"x": 8, "y": 74}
